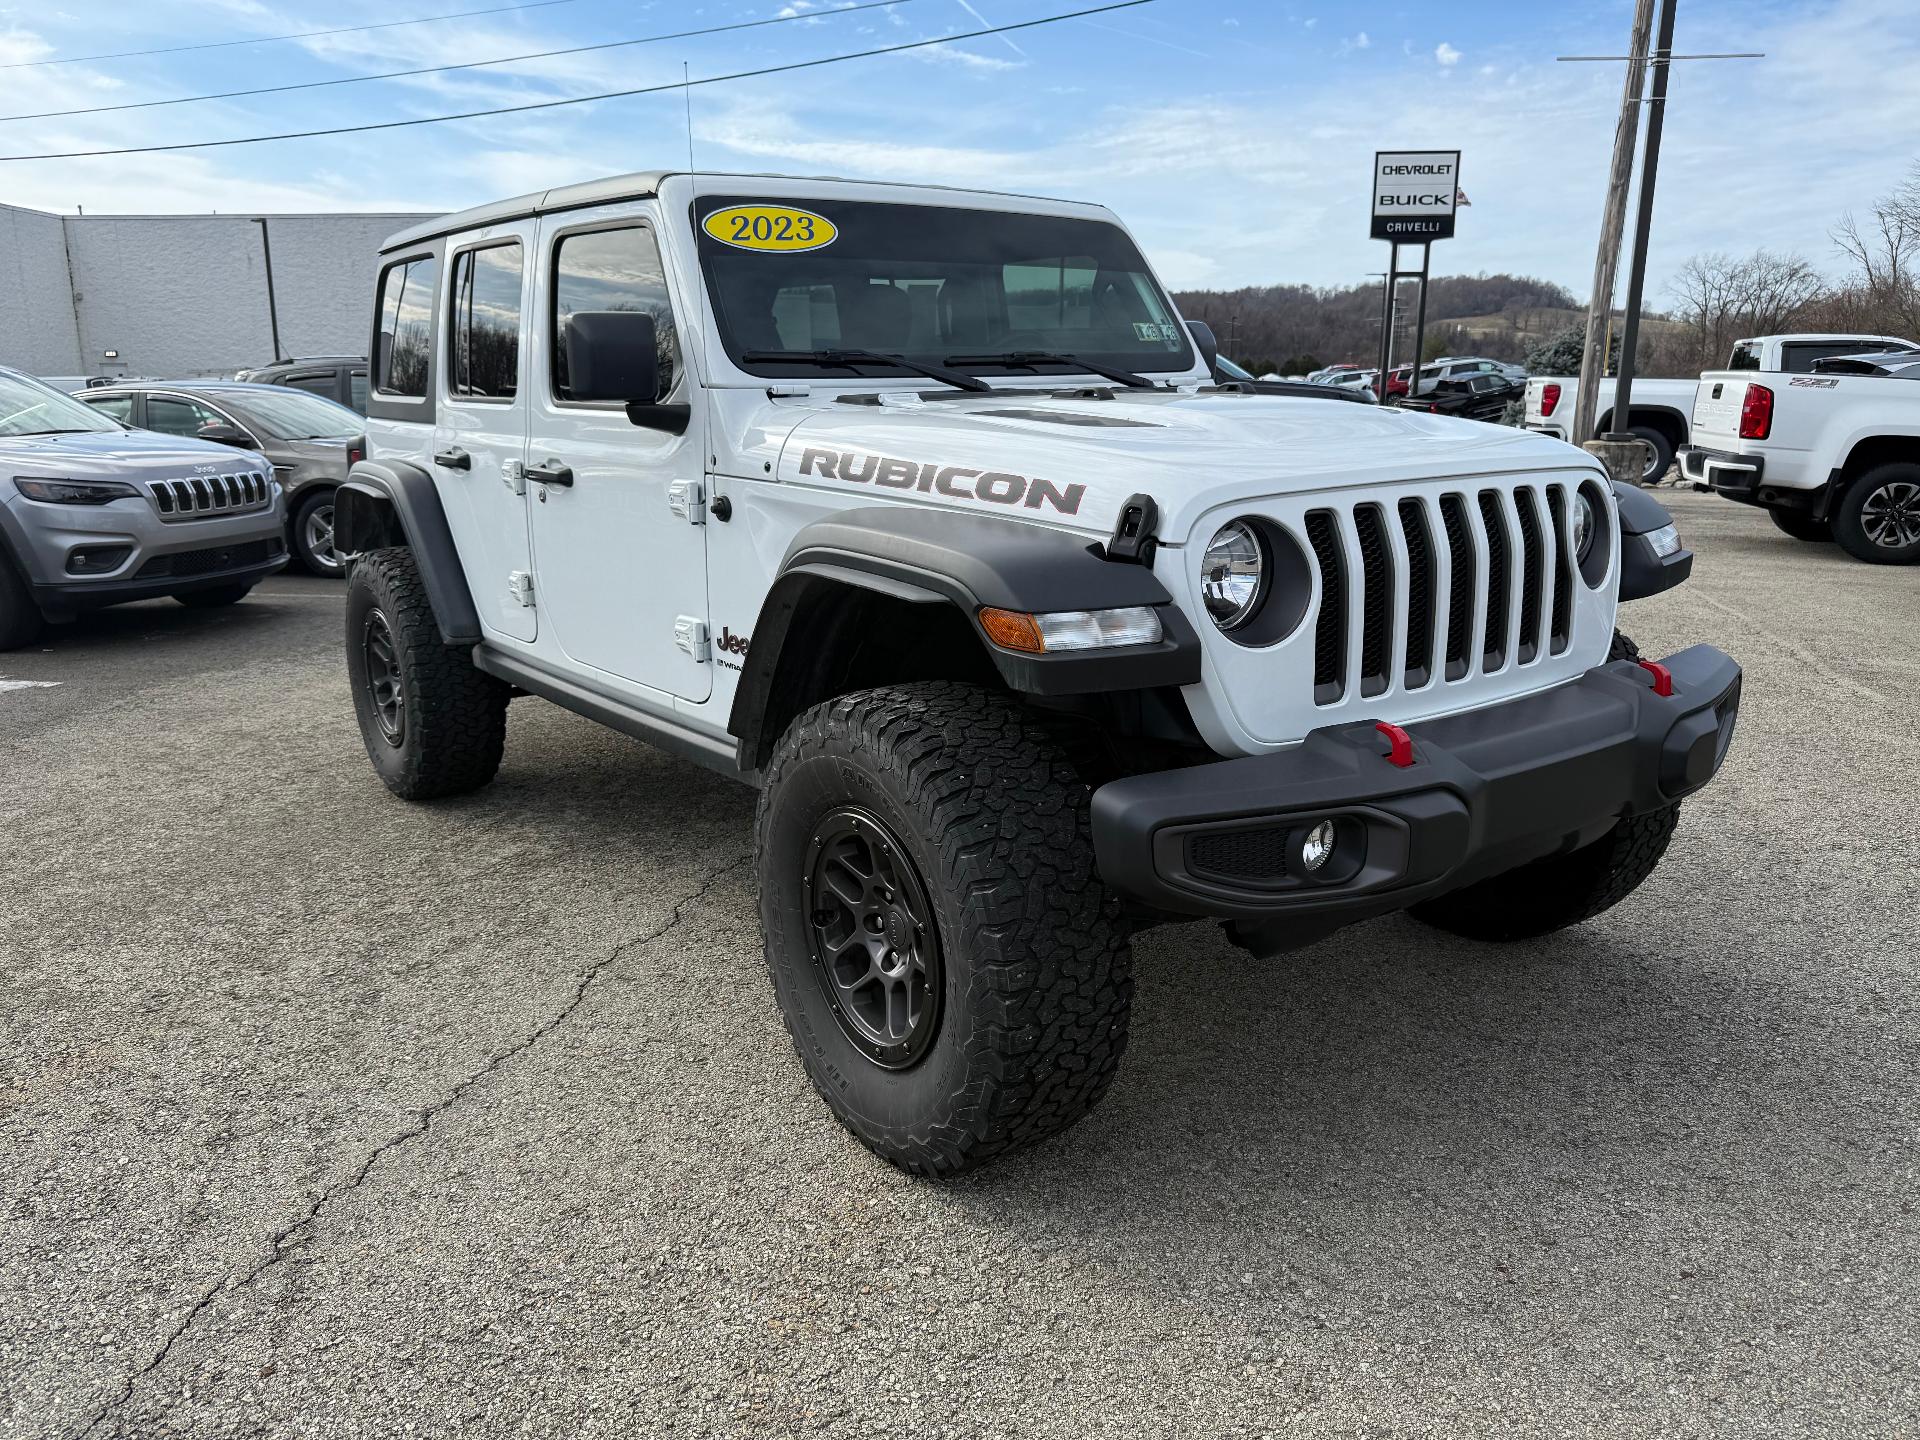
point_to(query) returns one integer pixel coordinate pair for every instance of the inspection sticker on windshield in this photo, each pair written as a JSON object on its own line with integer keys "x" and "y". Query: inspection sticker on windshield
{"x": 770, "y": 227}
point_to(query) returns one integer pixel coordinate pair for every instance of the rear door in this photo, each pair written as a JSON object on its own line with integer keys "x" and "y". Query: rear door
{"x": 622, "y": 576}
{"x": 480, "y": 419}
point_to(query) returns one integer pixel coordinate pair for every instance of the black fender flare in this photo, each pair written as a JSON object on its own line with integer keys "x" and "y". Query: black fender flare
{"x": 927, "y": 556}
{"x": 385, "y": 503}
{"x": 1643, "y": 573}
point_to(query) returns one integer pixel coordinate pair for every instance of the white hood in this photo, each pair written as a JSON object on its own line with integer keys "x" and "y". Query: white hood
{"x": 1074, "y": 461}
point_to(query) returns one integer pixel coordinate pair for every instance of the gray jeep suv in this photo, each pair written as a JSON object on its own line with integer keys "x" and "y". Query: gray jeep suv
{"x": 93, "y": 514}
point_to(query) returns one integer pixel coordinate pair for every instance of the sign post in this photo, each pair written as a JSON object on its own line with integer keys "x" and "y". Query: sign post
{"x": 1415, "y": 196}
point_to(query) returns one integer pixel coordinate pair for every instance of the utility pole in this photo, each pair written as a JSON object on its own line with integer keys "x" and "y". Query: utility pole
{"x": 1613, "y": 220}
{"x": 1643, "y": 223}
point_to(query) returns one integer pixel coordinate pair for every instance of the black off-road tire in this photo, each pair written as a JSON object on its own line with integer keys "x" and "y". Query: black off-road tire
{"x": 1034, "y": 969}
{"x": 21, "y": 622}
{"x": 1802, "y": 526}
{"x": 214, "y": 598}
{"x": 1559, "y": 891}
{"x": 452, "y": 716}
{"x": 1855, "y": 521}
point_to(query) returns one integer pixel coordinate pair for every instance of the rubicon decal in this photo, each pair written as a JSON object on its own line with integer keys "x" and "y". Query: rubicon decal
{"x": 930, "y": 477}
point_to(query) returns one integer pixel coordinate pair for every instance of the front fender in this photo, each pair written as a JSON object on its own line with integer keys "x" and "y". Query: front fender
{"x": 385, "y": 503}
{"x": 1643, "y": 573}
{"x": 967, "y": 562}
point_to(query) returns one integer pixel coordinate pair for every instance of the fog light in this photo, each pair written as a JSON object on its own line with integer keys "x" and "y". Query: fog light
{"x": 1317, "y": 848}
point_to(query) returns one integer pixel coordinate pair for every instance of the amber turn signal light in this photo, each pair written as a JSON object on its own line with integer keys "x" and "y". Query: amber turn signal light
{"x": 1012, "y": 630}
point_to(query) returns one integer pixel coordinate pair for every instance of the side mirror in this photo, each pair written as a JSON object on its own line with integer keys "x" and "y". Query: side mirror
{"x": 221, "y": 433}
{"x": 1209, "y": 347}
{"x": 615, "y": 355}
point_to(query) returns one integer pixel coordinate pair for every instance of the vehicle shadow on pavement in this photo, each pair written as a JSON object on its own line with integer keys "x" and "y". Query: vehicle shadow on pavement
{"x": 1362, "y": 1094}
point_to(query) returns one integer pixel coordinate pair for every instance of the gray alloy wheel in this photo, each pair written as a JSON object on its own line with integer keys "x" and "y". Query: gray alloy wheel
{"x": 313, "y": 537}
{"x": 1890, "y": 514}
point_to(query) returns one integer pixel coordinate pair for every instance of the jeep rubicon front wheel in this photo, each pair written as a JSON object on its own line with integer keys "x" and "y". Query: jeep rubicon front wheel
{"x": 953, "y": 973}
{"x": 433, "y": 723}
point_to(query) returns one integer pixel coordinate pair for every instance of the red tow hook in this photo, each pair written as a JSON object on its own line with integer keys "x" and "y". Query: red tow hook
{"x": 1402, "y": 752}
{"x": 1662, "y": 677}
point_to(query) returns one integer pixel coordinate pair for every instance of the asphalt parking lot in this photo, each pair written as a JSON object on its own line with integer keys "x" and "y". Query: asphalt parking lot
{"x": 324, "y": 1115}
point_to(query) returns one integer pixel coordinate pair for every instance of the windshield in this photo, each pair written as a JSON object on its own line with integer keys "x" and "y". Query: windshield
{"x": 297, "y": 415}
{"x": 1231, "y": 370}
{"x": 930, "y": 283}
{"x": 29, "y": 408}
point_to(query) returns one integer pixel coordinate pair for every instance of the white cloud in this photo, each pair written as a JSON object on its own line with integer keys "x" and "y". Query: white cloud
{"x": 1361, "y": 42}
{"x": 965, "y": 59}
{"x": 1446, "y": 54}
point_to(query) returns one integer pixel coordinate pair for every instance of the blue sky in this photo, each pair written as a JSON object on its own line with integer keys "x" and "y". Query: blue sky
{"x": 1234, "y": 136}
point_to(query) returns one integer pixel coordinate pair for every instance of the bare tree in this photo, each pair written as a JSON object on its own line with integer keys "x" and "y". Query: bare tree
{"x": 1885, "y": 251}
{"x": 1720, "y": 298}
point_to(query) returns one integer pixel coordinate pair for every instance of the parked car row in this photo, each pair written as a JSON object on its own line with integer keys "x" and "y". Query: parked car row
{"x": 95, "y": 513}
{"x": 311, "y": 442}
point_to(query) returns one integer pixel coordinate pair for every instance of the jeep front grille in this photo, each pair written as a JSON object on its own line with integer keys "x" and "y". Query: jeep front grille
{"x": 1381, "y": 602}
{"x": 204, "y": 495}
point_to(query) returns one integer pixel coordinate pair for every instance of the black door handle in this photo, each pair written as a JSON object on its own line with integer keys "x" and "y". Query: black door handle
{"x": 453, "y": 459}
{"x": 550, "y": 472}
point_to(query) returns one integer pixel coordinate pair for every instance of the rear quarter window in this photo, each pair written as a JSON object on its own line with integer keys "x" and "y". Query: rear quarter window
{"x": 404, "y": 340}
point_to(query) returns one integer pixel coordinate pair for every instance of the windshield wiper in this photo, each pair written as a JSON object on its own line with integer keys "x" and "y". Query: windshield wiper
{"x": 1028, "y": 359}
{"x": 848, "y": 359}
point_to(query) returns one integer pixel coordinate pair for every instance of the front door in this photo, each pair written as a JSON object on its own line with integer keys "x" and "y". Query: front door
{"x": 480, "y": 421}
{"x": 621, "y": 578}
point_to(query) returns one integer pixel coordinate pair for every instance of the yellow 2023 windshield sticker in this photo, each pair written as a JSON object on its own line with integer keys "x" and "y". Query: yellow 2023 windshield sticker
{"x": 770, "y": 227}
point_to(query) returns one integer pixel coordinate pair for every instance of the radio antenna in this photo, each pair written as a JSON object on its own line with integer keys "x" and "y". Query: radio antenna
{"x": 693, "y": 184}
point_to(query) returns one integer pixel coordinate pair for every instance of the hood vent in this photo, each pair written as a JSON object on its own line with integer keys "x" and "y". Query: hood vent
{"x": 1072, "y": 417}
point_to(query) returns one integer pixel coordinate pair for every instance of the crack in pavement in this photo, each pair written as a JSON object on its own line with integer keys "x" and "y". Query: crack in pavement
{"x": 284, "y": 1241}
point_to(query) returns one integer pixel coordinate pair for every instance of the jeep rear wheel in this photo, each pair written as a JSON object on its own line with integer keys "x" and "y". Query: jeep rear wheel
{"x": 953, "y": 973}
{"x": 434, "y": 725}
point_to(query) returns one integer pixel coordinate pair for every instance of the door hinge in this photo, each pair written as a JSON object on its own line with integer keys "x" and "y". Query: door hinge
{"x": 691, "y": 636}
{"x": 513, "y": 474}
{"x": 688, "y": 500}
{"x": 520, "y": 587}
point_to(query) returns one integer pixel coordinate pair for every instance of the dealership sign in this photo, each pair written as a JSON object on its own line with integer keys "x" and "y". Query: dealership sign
{"x": 1414, "y": 194}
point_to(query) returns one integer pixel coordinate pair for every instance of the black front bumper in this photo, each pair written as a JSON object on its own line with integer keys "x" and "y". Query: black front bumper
{"x": 1487, "y": 790}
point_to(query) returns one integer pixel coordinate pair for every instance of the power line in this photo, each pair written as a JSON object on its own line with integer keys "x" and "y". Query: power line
{"x": 469, "y": 65}
{"x": 300, "y": 35}
{"x": 582, "y": 99}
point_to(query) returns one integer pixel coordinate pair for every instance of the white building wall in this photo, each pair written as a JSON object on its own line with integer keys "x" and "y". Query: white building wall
{"x": 182, "y": 295}
{"x": 37, "y": 330}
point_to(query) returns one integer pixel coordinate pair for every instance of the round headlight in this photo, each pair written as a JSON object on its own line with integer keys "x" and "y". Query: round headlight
{"x": 1233, "y": 574}
{"x": 1585, "y": 526}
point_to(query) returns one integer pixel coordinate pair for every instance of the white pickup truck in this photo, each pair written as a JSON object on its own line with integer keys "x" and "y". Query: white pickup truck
{"x": 1659, "y": 414}
{"x": 1662, "y": 409}
{"x": 1834, "y": 454}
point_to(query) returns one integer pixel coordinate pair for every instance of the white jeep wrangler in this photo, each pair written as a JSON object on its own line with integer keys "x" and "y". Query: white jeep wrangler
{"x": 919, "y": 509}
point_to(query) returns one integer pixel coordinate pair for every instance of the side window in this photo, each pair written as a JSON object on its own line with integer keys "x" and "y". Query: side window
{"x": 357, "y": 390}
{"x": 120, "y": 407}
{"x": 483, "y": 338}
{"x": 319, "y": 384}
{"x": 406, "y": 327}
{"x": 601, "y": 270}
{"x": 1798, "y": 359}
{"x": 177, "y": 417}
